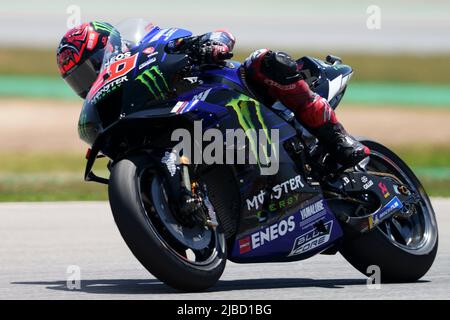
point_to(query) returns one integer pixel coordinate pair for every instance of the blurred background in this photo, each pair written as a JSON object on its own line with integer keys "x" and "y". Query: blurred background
{"x": 399, "y": 94}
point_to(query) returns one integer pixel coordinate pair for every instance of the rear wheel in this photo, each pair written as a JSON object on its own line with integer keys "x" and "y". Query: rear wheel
{"x": 403, "y": 248}
{"x": 188, "y": 258}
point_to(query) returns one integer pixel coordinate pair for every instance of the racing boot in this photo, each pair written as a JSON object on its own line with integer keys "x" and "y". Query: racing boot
{"x": 342, "y": 146}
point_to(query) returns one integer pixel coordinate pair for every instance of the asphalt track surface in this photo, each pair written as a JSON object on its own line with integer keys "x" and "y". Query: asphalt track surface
{"x": 39, "y": 241}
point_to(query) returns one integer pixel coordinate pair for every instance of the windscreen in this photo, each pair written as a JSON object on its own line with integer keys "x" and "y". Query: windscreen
{"x": 126, "y": 36}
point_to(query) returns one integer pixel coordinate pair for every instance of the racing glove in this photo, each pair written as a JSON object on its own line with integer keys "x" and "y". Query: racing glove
{"x": 212, "y": 52}
{"x": 215, "y": 47}
{"x": 209, "y": 48}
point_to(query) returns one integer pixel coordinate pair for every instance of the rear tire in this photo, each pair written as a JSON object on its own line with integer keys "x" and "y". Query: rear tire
{"x": 398, "y": 262}
{"x": 147, "y": 242}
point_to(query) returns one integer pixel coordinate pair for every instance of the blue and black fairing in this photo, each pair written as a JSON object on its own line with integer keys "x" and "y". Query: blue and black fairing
{"x": 326, "y": 79}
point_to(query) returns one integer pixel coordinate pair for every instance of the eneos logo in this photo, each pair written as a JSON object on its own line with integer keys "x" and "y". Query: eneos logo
{"x": 266, "y": 235}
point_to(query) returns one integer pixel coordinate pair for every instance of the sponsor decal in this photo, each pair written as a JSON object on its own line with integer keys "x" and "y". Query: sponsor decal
{"x": 169, "y": 160}
{"x": 169, "y": 33}
{"x": 312, "y": 210}
{"x": 368, "y": 185}
{"x": 147, "y": 63}
{"x": 391, "y": 206}
{"x": 108, "y": 88}
{"x": 154, "y": 81}
{"x": 278, "y": 190}
{"x": 202, "y": 95}
{"x": 243, "y": 107}
{"x": 311, "y": 213}
{"x": 158, "y": 35}
{"x": 100, "y": 26}
{"x": 367, "y": 182}
{"x": 311, "y": 240}
{"x": 245, "y": 245}
{"x": 287, "y": 203}
{"x": 179, "y": 107}
{"x": 92, "y": 40}
{"x": 116, "y": 72}
{"x": 148, "y": 50}
{"x": 191, "y": 80}
{"x": 346, "y": 180}
{"x": 267, "y": 235}
{"x": 117, "y": 57}
{"x": 384, "y": 189}
{"x": 184, "y": 106}
{"x": 279, "y": 86}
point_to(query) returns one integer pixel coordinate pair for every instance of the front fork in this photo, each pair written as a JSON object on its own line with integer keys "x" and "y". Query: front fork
{"x": 190, "y": 199}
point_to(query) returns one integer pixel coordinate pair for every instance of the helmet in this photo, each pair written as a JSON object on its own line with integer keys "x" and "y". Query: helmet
{"x": 80, "y": 55}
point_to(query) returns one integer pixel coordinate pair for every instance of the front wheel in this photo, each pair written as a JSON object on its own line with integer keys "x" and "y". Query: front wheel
{"x": 188, "y": 258}
{"x": 403, "y": 248}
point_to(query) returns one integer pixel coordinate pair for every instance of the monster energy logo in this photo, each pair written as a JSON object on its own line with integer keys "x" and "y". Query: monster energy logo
{"x": 102, "y": 26}
{"x": 243, "y": 105}
{"x": 212, "y": 146}
{"x": 150, "y": 78}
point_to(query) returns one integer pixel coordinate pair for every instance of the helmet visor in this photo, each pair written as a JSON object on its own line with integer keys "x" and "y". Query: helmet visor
{"x": 82, "y": 78}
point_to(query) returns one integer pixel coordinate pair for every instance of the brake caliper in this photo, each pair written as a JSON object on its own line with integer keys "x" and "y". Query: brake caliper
{"x": 196, "y": 202}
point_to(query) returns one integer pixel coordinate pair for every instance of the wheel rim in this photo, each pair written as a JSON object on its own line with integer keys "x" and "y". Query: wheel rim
{"x": 415, "y": 234}
{"x": 205, "y": 254}
{"x": 196, "y": 237}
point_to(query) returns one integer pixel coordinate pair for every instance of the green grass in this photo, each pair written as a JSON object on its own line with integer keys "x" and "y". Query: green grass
{"x": 48, "y": 177}
{"x": 431, "y": 164}
{"x": 425, "y": 156}
{"x": 52, "y": 191}
{"x": 18, "y": 163}
{"x": 59, "y": 177}
{"x": 436, "y": 188}
{"x": 426, "y": 69}
{"x": 28, "y": 61}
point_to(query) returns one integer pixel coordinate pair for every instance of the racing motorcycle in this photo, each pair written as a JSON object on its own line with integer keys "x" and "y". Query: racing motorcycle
{"x": 183, "y": 220}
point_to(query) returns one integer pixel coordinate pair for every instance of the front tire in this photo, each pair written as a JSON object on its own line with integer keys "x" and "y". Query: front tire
{"x": 404, "y": 251}
{"x": 136, "y": 196}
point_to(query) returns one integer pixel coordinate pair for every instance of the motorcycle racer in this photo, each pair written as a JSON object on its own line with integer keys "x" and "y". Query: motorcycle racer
{"x": 269, "y": 75}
